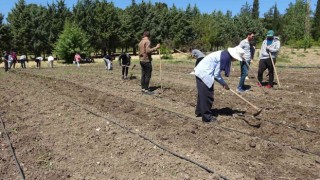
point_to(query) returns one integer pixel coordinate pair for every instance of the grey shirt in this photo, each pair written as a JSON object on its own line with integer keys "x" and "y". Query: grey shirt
{"x": 245, "y": 45}
{"x": 197, "y": 53}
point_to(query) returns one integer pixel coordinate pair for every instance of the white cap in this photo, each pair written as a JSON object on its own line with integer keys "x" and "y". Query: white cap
{"x": 236, "y": 52}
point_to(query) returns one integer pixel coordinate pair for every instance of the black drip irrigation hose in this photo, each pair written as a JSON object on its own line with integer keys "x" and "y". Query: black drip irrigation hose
{"x": 300, "y": 67}
{"x": 153, "y": 142}
{"x": 12, "y": 151}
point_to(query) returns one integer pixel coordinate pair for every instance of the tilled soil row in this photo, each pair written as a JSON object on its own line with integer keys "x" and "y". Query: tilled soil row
{"x": 54, "y": 139}
{"x": 187, "y": 136}
{"x": 279, "y": 122}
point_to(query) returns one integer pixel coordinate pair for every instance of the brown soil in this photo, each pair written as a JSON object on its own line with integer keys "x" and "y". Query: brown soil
{"x": 88, "y": 123}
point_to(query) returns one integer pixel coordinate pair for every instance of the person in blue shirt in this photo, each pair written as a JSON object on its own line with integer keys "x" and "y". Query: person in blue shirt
{"x": 209, "y": 70}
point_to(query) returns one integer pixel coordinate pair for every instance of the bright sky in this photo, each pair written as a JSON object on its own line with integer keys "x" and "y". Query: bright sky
{"x": 205, "y": 6}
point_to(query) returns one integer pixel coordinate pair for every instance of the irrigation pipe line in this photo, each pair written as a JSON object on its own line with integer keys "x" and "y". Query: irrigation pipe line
{"x": 12, "y": 151}
{"x": 151, "y": 141}
{"x": 183, "y": 115}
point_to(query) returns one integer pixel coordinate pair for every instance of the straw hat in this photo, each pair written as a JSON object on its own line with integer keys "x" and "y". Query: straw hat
{"x": 236, "y": 52}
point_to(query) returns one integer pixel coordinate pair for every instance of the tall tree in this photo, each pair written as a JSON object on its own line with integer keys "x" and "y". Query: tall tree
{"x": 255, "y": 9}
{"x": 5, "y": 36}
{"x": 316, "y": 23}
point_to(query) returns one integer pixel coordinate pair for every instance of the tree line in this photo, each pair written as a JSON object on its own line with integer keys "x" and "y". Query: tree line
{"x": 99, "y": 26}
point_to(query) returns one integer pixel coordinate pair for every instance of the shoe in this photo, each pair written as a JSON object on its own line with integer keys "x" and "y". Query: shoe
{"x": 144, "y": 91}
{"x": 259, "y": 85}
{"x": 125, "y": 77}
{"x": 192, "y": 72}
{"x": 240, "y": 90}
{"x": 269, "y": 86}
{"x": 247, "y": 77}
{"x": 213, "y": 119}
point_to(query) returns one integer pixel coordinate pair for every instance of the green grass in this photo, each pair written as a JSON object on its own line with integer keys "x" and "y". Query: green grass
{"x": 284, "y": 59}
{"x": 301, "y": 55}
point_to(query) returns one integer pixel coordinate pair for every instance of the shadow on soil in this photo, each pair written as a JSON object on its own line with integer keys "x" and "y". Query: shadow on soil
{"x": 226, "y": 112}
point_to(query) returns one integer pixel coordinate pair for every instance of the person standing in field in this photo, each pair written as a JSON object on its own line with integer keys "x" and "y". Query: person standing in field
{"x": 50, "y": 61}
{"x": 145, "y": 57}
{"x": 209, "y": 70}
{"x": 124, "y": 61}
{"x": 244, "y": 64}
{"x": 6, "y": 61}
{"x": 23, "y": 59}
{"x": 77, "y": 59}
{"x": 270, "y": 46}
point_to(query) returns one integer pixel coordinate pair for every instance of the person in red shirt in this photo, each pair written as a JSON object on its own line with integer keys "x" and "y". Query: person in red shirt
{"x": 77, "y": 59}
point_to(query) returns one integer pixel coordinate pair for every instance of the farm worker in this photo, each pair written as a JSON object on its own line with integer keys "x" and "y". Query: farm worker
{"x": 270, "y": 45}
{"x": 145, "y": 52}
{"x": 245, "y": 45}
{"x": 209, "y": 70}
{"x": 196, "y": 53}
{"x": 23, "y": 59}
{"x": 107, "y": 59}
{"x": 50, "y": 61}
{"x": 124, "y": 61}
{"x": 77, "y": 59}
{"x": 6, "y": 61}
{"x": 14, "y": 60}
{"x": 38, "y": 61}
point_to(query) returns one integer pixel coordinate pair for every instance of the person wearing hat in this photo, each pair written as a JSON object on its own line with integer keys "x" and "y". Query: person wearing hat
{"x": 209, "y": 70}
{"x": 270, "y": 46}
{"x": 244, "y": 65}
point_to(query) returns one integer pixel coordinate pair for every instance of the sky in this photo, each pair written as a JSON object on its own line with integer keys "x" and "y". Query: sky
{"x": 205, "y": 6}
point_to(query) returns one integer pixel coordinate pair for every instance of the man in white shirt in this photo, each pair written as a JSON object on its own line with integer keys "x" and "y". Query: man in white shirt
{"x": 244, "y": 64}
{"x": 207, "y": 71}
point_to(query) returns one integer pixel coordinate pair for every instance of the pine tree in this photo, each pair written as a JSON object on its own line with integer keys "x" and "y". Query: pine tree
{"x": 316, "y": 23}
{"x": 255, "y": 9}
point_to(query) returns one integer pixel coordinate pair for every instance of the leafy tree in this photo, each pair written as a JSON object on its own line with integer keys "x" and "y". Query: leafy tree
{"x": 316, "y": 23}
{"x": 294, "y": 21}
{"x": 273, "y": 20}
{"x": 72, "y": 40}
{"x": 255, "y": 9}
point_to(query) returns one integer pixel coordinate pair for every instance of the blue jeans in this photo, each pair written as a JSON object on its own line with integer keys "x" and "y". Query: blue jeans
{"x": 244, "y": 73}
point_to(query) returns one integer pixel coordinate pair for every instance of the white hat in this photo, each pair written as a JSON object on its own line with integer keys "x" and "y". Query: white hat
{"x": 236, "y": 52}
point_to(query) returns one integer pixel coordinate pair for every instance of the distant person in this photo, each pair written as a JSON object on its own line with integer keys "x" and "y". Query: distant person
{"x": 23, "y": 59}
{"x": 244, "y": 64}
{"x": 198, "y": 55}
{"x": 108, "y": 62}
{"x": 38, "y": 62}
{"x": 14, "y": 60}
{"x": 50, "y": 61}
{"x": 124, "y": 62}
{"x": 145, "y": 58}
{"x": 77, "y": 59}
{"x": 208, "y": 71}
{"x": 271, "y": 45}
{"x": 6, "y": 61}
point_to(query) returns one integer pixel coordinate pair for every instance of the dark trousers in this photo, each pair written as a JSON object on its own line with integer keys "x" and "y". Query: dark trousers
{"x": 146, "y": 70}
{"x": 38, "y": 63}
{"x": 23, "y": 64}
{"x": 204, "y": 101}
{"x": 198, "y": 60}
{"x": 125, "y": 70}
{"x": 6, "y": 66}
{"x": 263, "y": 65}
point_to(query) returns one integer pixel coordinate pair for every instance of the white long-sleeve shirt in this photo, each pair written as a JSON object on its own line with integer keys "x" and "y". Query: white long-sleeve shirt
{"x": 208, "y": 69}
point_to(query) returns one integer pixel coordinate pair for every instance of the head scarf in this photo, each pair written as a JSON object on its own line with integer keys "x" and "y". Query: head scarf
{"x": 225, "y": 62}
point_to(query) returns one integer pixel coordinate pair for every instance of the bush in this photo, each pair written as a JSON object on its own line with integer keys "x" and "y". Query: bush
{"x": 165, "y": 53}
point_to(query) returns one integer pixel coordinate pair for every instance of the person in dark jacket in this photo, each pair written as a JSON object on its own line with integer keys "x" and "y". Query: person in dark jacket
{"x": 6, "y": 59}
{"x": 124, "y": 61}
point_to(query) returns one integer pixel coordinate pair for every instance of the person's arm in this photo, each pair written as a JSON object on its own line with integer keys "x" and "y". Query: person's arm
{"x": 149, "y": 49}
{"x": 217, "y": 74}
{"x": 120, "y": 57}
{"x": 275, "y": 47}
